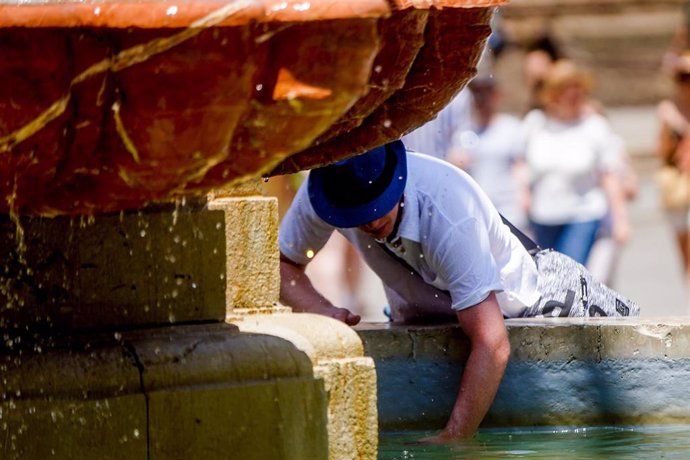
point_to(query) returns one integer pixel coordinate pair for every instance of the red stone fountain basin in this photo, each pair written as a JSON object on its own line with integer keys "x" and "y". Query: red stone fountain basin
{"x": 108, "y": 106}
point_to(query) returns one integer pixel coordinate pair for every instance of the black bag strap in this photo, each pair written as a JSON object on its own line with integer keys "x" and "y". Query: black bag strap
{"x": 529, "y": 244}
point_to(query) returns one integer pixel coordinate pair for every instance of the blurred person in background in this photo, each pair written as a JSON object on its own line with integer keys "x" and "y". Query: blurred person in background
{"x": 434, "y": 137}
{"x": 603, "y": 257}
{"x": 673, "y": 147}
{"x": 571, "y": 183}
{"x": 539, "y": 57}
{"x": 489, "y": 149}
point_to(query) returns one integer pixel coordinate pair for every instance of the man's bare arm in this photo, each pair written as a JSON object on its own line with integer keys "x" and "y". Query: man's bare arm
{"x": 297, "y": 292}
{"x": 490, "y": 350}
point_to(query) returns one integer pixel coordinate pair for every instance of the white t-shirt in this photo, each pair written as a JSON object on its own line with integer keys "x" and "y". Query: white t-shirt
{"x": 566, "y": 161}
{"x": 492, "y": 154}
{"x": 450, "y": 234}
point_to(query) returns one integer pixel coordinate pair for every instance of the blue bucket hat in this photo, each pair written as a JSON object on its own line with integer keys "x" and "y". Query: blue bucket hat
{"x": 360, "y": 189}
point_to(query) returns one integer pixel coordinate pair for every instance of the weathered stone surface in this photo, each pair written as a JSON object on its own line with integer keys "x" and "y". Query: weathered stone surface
{"x": 336, "y": 353}
{"x": 83, "y": 428}
{"x": 207, "y": 354}
{"x": 562, "y": 371}
{"x": 251, "y": 256}
{"x": 156, "y": 267}
{"x": 281, "y": 419}
{"x": 161, "y": 266}
{"x": 203, "y": 391}
{"x": 352, "y": 415}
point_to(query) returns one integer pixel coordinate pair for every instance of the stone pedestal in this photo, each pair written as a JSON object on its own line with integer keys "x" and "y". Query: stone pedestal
{"x": 193, "y": 391}
{"x": 350, "y": 377}
{"x": 115, "y": 346}
{"x": 115, "y": 342}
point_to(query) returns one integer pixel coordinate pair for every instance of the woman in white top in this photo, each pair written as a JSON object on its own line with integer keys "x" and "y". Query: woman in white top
{"x": 570, "y": 165}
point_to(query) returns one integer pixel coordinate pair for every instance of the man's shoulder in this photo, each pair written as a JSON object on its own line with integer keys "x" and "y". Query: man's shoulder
{"x": 420, "y": 163}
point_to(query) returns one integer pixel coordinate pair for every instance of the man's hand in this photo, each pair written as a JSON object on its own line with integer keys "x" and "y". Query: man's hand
{"x": 441, "y": 438}
{"x": 297, "y": 292}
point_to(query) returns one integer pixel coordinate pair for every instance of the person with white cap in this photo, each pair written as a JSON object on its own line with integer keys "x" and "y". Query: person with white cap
{"x": 442, "y": 251}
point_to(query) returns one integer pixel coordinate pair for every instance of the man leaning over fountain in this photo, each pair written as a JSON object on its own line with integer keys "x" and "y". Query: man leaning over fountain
{"x": 441, "y": 250}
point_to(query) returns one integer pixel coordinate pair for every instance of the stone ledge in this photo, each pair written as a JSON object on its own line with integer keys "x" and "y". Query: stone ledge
{"x": 337, "y": 355}
{"x": 189, "y": 391}
{"x": 562, "y": 371}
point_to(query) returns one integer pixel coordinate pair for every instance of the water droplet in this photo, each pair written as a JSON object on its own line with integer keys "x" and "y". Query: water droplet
{"x": 171, "y": 11}
{"x": 279, "y": 6}
{"x": 310, "y": 253}
{"x": 142, "y": 233}
{"x": 304, "y": 6}
{"x": 387, "y": 123}
{"x": 97, "y": 10}
{"x": 117, "y": 336}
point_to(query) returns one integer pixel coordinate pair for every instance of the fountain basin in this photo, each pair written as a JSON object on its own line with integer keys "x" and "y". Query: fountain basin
{"x": 562, "y": 371}
{"x": 108, "y": 106}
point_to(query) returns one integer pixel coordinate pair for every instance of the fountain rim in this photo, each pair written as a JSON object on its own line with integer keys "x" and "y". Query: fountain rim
{"x": 166, "y": 14}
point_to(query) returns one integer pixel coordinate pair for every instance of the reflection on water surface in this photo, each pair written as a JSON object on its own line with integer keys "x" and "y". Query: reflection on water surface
{"x": 621, "y": 442}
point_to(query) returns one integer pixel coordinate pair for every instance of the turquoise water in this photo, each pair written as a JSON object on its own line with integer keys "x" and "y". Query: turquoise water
{"x": 621, "y": 442}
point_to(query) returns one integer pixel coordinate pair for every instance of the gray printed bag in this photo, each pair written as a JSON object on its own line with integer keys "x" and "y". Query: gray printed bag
{"x": 568, "y": 289}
